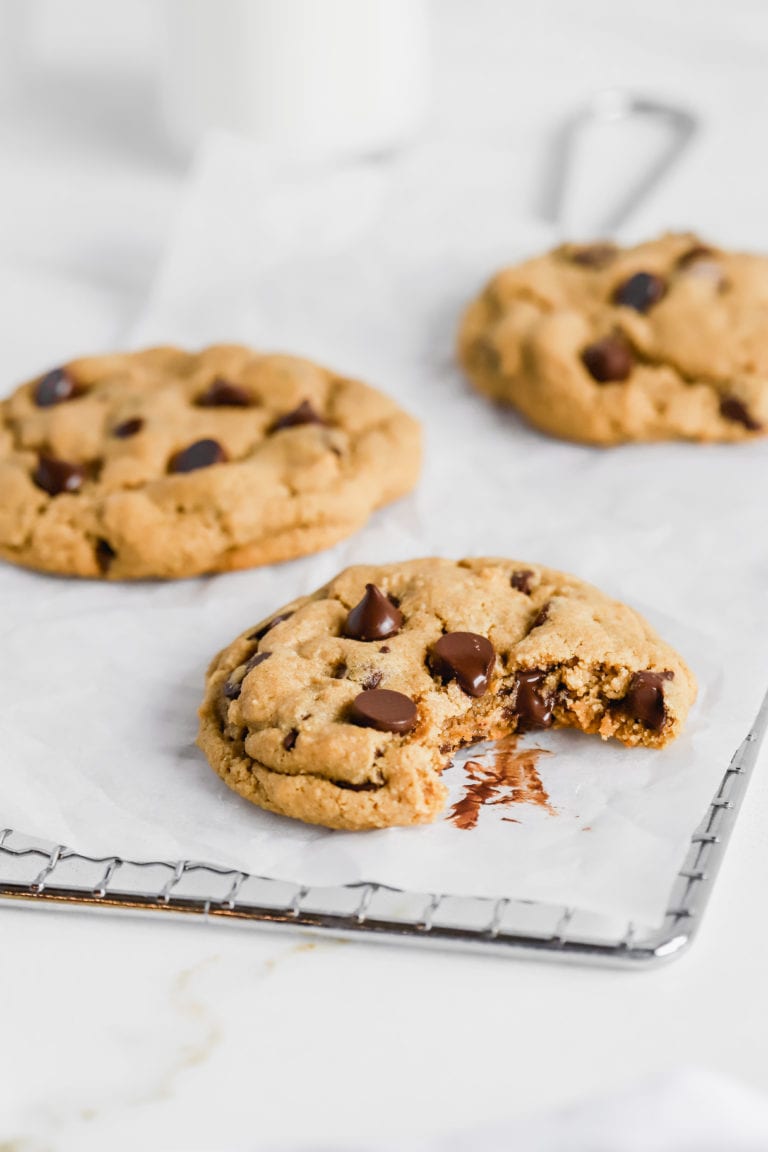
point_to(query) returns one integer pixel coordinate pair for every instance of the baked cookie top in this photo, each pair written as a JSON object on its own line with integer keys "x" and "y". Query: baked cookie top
{"x": 665, "y": 340}
{"x": 165, "y": 463}
{"x": 344, "y": 707}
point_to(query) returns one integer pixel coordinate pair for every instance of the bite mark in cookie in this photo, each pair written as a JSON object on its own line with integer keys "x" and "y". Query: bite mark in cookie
{"x": 305, "y": 716}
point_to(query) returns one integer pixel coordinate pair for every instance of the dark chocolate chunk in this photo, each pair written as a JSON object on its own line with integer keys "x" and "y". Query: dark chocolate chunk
{"x": 384, "y": 710}
{"x": 735, "y": 410}
{"x": 105, "y": 554}
{"x": 260, "y": 633}
{"x": 594, "y": 255}
{"x": 55, "y": 387}
{"x": 290, "y": 740}
{"x": 608, "y": 360}
{"x": 466, "y": 658}
{"x": 372, "y": 681}
{"x": 541, "y": 617}
{"x": 128, "y": 428}
{"x": 521, "y": 580}
{"x": 532, "y": 706}
{"x": 234, "y": 685}
{"x": 644, "y": 700}
{"x": 201, "y": 454}
{"x": 304, "y": 414}
{"x": 375, "y": 617}
{"x": 340, "y": 671}
{"x": 223, "y": 394}
{"x": 56, "y": 476}
{"x": 640, "y": 291}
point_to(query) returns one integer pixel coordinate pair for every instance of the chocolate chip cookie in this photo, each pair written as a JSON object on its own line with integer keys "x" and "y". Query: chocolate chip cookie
{"x": 166, "y": 463}
{"x": 345, "y": 706}
{"x": 666, "y": 340}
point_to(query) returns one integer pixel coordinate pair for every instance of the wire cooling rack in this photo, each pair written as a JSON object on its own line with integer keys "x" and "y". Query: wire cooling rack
{"x": 36, "y": 873}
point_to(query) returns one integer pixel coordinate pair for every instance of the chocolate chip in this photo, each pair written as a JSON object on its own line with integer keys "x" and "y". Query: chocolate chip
{"x": 385, "y": 648}
{"x": 541, "y": 618}
{"x": 694, "y": 254}
{"x": 290, "y": 740}
{"x": 105, "y": 554}
{"x": 340, "y": 671}
{"x": 260, "y": 633}
{"x": 128, "y": 428}
{"x": 304, "y": 414}
{"x": 735, "y": 410}
{"x": 532, "y": 707}
{"x": 594, "y": 255}
{"x": 375, "y": 617}
{"x": 645, "y": 698}
{"x": 54, "y": 388}
{"x": 368, "y": 786}
{"x": 640, "y": 291}
{"x": 521, "y": 580}
{"x": 56, "y": 476}
{"x": 234, "y": 685}
{"x": 466, "y": 658}
{"x": 222, "y": 394}
{"x": 373, "y": 681}
{"x": 608, "y": 360}
{"x": 201, "y": 454}
{"x": 384, "y": 710}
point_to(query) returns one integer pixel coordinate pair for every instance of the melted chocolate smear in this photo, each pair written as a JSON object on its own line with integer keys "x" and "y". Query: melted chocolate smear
{"x": 55, "y": 476}
{"x": 201, "y": 454}
{"x": 304, "y": 414}
{"x": 222, "y": 394}
{"x": 510, "y": 778}
{"x": 260, "y": 633}
{"x": 384, "y": 710}
{"x": 375, "y": 617}
{"x": 54, "y": 388}
{"x": 466, "y": 658}
{"x": 640, "y": 291}
{"x": 608, "y": 361}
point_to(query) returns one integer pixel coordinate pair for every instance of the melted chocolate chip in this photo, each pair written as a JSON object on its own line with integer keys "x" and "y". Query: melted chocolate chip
{"x": 105, "y": 554}
{"x": 645, "y": 698}
{"x": 290, "y": 740}
{"x": 608, "y": 360}
{"x": 304, "y": 414}
{"x": 594, "y": 255}
{"x": 521, "y": 581}
{"x": 234, "y": 685}
{"x": 222, "y": 394}
{"x": 640, "y": 291}
{"x": 466, "y": 658}
{"x": 532, "y": 707}
{"x": 128, "y": 428}
{"x": 54, "y": 388}
{"x": 260, "y": 633}
{"x": 56, "y": 476}
{"x": 373, "y": 681}
{"x": 541, "y": 618}
{"x": 384, "y": 710}
{"x": 735, "y": 410}
{"x": 201, "y": 454}
{"x": 375, "y": 617}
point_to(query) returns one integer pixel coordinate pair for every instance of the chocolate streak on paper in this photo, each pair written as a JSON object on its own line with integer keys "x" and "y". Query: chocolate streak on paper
{"x": 510, "y": 777}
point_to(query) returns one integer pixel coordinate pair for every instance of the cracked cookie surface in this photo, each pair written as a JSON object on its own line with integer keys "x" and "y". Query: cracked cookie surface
{"x": 344, "y": 707}
{"x": 165, "y": 463}
{"x": 665, "y": 340}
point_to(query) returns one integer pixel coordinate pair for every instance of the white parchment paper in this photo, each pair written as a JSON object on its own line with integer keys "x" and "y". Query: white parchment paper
{"x": 367, "y": 271}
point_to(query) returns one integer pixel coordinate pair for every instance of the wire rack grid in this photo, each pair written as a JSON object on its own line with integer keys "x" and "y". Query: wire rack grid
{"x": 44, "y": 875}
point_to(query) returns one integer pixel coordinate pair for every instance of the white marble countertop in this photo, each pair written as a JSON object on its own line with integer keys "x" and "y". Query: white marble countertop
{"x": 121, "y": 1033}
